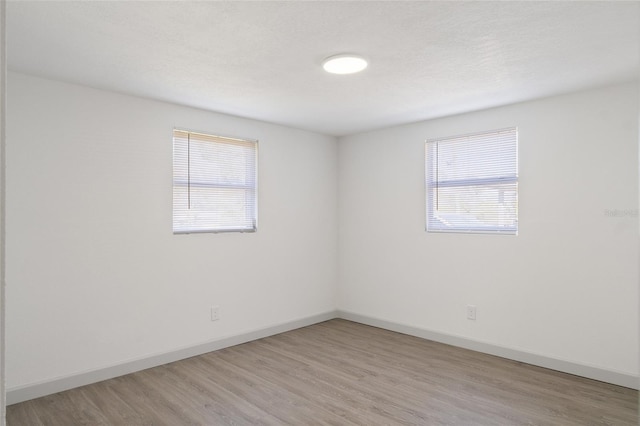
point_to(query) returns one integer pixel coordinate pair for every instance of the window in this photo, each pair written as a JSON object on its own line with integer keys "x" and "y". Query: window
{"x": 214, "y": 183}
{"x": 472, "y": 183}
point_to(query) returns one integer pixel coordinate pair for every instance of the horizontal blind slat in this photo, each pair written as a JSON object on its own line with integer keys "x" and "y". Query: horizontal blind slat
{"x": 472, "y": 182}
{"x": 215, "y": 183}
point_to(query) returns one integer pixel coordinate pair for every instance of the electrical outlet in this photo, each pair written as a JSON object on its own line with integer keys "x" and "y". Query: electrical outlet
{"x": 215, "y": 313}
{"x": 471, "y": 312}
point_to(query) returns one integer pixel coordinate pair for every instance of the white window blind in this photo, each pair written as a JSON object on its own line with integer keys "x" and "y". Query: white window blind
{"x": 472, "y": 183}
{"x": 214, "y": 183}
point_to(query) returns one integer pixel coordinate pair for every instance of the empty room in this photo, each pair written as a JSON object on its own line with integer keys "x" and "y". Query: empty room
{"x": 320, "y": 213}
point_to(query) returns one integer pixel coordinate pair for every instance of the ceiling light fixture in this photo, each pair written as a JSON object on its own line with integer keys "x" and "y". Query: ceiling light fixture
{"x": 344, "y": 64}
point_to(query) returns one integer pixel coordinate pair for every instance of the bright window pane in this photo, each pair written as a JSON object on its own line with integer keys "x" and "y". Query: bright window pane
{"x": 214, "y": 183}
{"x": 472, "y": 183}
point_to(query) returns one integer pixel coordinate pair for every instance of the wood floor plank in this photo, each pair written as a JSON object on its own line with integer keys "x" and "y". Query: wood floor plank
{"x": 507, "y": 379}
{"x": 338, "y": 373}
{"x": 214, "y": 400}
{"x": 382, "y": 397}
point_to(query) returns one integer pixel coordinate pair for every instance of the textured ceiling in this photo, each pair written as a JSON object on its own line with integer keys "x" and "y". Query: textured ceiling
{"x": 263, "y": 59}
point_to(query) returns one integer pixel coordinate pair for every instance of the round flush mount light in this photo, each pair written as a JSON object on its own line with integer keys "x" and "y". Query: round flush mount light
{"x": 344, "y": 64}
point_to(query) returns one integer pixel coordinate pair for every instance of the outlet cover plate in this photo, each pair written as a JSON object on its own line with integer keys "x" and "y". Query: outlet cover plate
{"x": 471, "y": 312}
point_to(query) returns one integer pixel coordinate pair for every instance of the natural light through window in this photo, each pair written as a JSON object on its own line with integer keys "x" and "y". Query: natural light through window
{"x": 472, "y": 183}
{"x": 214, "y": 183}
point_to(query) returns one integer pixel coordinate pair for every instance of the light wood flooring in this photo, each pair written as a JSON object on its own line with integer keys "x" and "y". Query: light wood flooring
{"x": 338, "y": 373}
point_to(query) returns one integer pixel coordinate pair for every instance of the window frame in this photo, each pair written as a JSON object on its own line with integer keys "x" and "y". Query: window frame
{"x": 251, "y": 208}
{"x": 431, "y": 217}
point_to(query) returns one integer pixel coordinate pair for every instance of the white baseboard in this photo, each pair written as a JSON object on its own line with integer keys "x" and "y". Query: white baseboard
{"x": 591, "y": 372}
{"x": 35, "y": 390}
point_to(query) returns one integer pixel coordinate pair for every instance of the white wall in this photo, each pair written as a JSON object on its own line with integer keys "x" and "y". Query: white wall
{"x": 565, "y": 287}
{"x": 3, "y": 75}
{"x": 92, "y": 280}
{"x": 95, "y": 276}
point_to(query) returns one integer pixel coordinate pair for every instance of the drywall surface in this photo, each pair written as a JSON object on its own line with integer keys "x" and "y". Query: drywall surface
{"x": 3, "y": 76}
{"x": 566, "y": 287}
{"x": 95, "y": 276}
